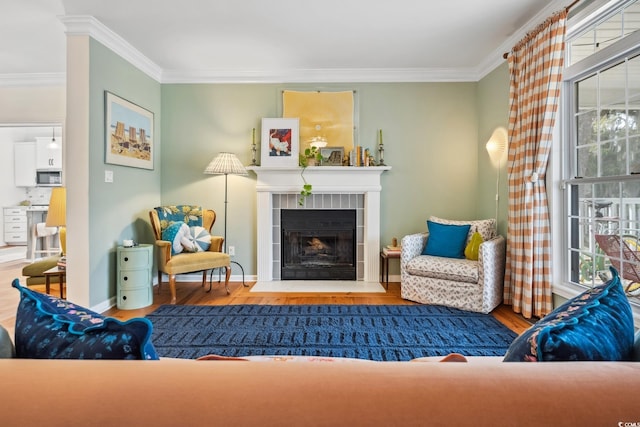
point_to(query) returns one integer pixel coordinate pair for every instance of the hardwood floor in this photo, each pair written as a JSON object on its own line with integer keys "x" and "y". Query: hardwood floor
{"x": 192, "y": 293}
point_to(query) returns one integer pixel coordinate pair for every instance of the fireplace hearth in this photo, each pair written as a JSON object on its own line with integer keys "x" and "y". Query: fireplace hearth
{"x": 318, "y": 244}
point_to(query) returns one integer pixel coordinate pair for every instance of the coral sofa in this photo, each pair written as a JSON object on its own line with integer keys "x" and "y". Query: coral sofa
{"x": 315, "y": 391}
{"x": 174, "y": 392}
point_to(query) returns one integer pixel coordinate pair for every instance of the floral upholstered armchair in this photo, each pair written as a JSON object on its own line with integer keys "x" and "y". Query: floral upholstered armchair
{"x": 454, "y": 280}
{"x": 184, "y": 245}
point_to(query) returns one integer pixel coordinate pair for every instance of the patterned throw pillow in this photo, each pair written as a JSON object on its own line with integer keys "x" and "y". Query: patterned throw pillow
{"x": 52, "y": 328}
{"x": 486, "y": 227}
{"x": 180, "y": 237}
{"x": 201, "y": 238}
{"x": 595, "y": 325}
{"x": 190, "y": 215}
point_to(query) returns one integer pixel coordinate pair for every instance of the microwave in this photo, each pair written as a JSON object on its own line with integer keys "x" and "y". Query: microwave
{"x": 48, "y": 178}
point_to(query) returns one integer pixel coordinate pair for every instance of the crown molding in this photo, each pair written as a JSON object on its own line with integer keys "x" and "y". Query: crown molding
{"x": 493, "y": 60}
{"x": 342, "y": 75}
{"x": 90, "y": 26}
{"x": 85, "y": 25}
{"x": 33, "y": 79}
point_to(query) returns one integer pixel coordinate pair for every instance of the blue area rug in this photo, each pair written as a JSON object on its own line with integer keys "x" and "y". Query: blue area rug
{"x": 374, "y": 332}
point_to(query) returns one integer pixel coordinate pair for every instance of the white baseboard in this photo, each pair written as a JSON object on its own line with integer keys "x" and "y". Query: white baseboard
{"x": 196, "y": 277}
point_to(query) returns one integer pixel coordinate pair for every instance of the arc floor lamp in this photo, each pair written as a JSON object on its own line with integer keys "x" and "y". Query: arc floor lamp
{"x": 497, "y": 147}
{"x": 226, "y": 164}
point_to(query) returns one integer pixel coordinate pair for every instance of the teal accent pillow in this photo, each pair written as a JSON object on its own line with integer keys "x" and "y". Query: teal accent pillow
{"x": 172, "y": 234}
{"x": 181, "y": 238}
{"x": 446, "y": 240}
{"x": 596, "y": 325}
{"x": 48, "y": 327}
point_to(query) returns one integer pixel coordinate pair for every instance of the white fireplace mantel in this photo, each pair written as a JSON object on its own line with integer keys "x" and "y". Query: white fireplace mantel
{"x": 325, "y": 180}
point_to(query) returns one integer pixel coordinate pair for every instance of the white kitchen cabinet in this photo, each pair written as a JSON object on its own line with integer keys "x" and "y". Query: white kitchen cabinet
{"x": 15, "y": 225}
{"x": 24, "y": 164}
{"x": 48, "y": 156}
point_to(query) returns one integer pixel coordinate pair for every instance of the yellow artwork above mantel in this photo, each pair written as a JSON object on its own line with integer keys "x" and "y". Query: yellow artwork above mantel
{"x": 326, "y": 118}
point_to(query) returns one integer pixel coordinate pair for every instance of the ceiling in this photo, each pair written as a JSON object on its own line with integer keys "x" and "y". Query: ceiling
{"x": 282, "y": 39}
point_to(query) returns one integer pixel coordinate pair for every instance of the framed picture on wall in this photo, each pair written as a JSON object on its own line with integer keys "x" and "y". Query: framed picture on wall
{"x": 280, "y": 145}
{"x": 128, "y": 133}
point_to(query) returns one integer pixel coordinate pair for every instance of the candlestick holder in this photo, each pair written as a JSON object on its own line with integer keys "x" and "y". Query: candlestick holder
{"x": 253, "y": 148}
{"x": 381, "y": 154}
{"x": 253, "y": 154}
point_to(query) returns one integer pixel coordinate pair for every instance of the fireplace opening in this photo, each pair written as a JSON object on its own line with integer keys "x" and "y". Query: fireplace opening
{"x": 318, "y": 244}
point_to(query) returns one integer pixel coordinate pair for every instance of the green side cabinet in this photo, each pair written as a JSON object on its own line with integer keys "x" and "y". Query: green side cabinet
{"x": 135, "y": 287}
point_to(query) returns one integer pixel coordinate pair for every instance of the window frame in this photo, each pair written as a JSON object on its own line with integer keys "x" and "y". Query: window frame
{"x": 564, "y": 160}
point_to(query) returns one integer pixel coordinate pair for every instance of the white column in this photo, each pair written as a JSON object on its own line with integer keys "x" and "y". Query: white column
{"x": 371, "y": 236}
{"x": 265, "y": 236}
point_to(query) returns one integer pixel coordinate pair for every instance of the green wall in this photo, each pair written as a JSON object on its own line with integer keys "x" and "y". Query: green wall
{"x": 434, "y": 138}
{"x": 493, "y": 112}
{"x": 117, "y": 210}
{"x": 430, "y": 133}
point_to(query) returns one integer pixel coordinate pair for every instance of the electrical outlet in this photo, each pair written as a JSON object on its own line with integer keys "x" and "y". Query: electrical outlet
{"x": 232, "y": 251}
{"x": 108, "y": 176}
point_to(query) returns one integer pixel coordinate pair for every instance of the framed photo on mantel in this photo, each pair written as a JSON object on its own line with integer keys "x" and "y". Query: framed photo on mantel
{"x": 332, "y": 156}
{"x": 280, "y": 145}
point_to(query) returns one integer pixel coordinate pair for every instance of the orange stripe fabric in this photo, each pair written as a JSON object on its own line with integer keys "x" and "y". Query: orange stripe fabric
{"x": 535, "y": 68}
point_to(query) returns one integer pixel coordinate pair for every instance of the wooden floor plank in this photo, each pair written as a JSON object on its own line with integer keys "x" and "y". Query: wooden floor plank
{"x": 193, "y": 293}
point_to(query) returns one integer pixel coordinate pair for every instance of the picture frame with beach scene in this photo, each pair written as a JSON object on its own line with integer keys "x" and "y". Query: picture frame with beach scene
{"x": 128, "y": 133}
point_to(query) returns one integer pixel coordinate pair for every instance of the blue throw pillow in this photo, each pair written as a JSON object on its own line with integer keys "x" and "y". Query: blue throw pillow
{"x": 176, "y": 233}
{"x": 446, "y": 240}
{"x": 48, "y": 327}
{"x": 595, "y": 325}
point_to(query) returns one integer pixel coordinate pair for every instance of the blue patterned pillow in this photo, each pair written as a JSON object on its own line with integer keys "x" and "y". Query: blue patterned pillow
{"x": 190, "y": 215}
{"x": 595, "y": 325}
{"x": 48, "y": 327}
{"x": 446, "y": 240}
{"x": 176, "y": 233}
{"x": 201, "y": 238}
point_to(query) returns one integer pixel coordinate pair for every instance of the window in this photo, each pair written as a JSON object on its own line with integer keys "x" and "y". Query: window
{"x": 602, "y": 174}
{"x": 611, "y": 25}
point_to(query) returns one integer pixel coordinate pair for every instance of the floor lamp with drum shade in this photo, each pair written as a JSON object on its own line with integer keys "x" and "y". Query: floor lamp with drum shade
{"x": 226, "y": 164}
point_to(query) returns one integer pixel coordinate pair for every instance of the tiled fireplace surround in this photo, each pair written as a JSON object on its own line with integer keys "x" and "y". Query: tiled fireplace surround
{"x": 334, "y": 187}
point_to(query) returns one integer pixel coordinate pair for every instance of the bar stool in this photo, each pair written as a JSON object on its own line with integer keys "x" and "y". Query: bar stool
{"x": 42, "y": 235}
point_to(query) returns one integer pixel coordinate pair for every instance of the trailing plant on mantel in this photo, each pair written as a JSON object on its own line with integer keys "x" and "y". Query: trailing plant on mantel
{"x": 310, "y": 157}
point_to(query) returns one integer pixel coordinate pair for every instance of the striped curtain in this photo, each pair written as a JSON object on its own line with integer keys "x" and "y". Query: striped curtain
{"x": 535, "y": 68}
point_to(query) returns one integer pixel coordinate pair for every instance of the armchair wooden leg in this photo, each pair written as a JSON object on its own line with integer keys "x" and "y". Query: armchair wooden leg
{"x": 172, "y": 287}
{"x": 159, "y": 280}
{"x": 226, "y": 279}
{"x": 204, "y": 278}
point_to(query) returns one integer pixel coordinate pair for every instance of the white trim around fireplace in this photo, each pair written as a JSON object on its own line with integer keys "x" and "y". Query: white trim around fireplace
{"x": 326, "y": 180}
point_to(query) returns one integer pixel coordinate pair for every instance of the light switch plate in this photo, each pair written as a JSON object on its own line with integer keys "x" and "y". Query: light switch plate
{"x": 108, "y": 176}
